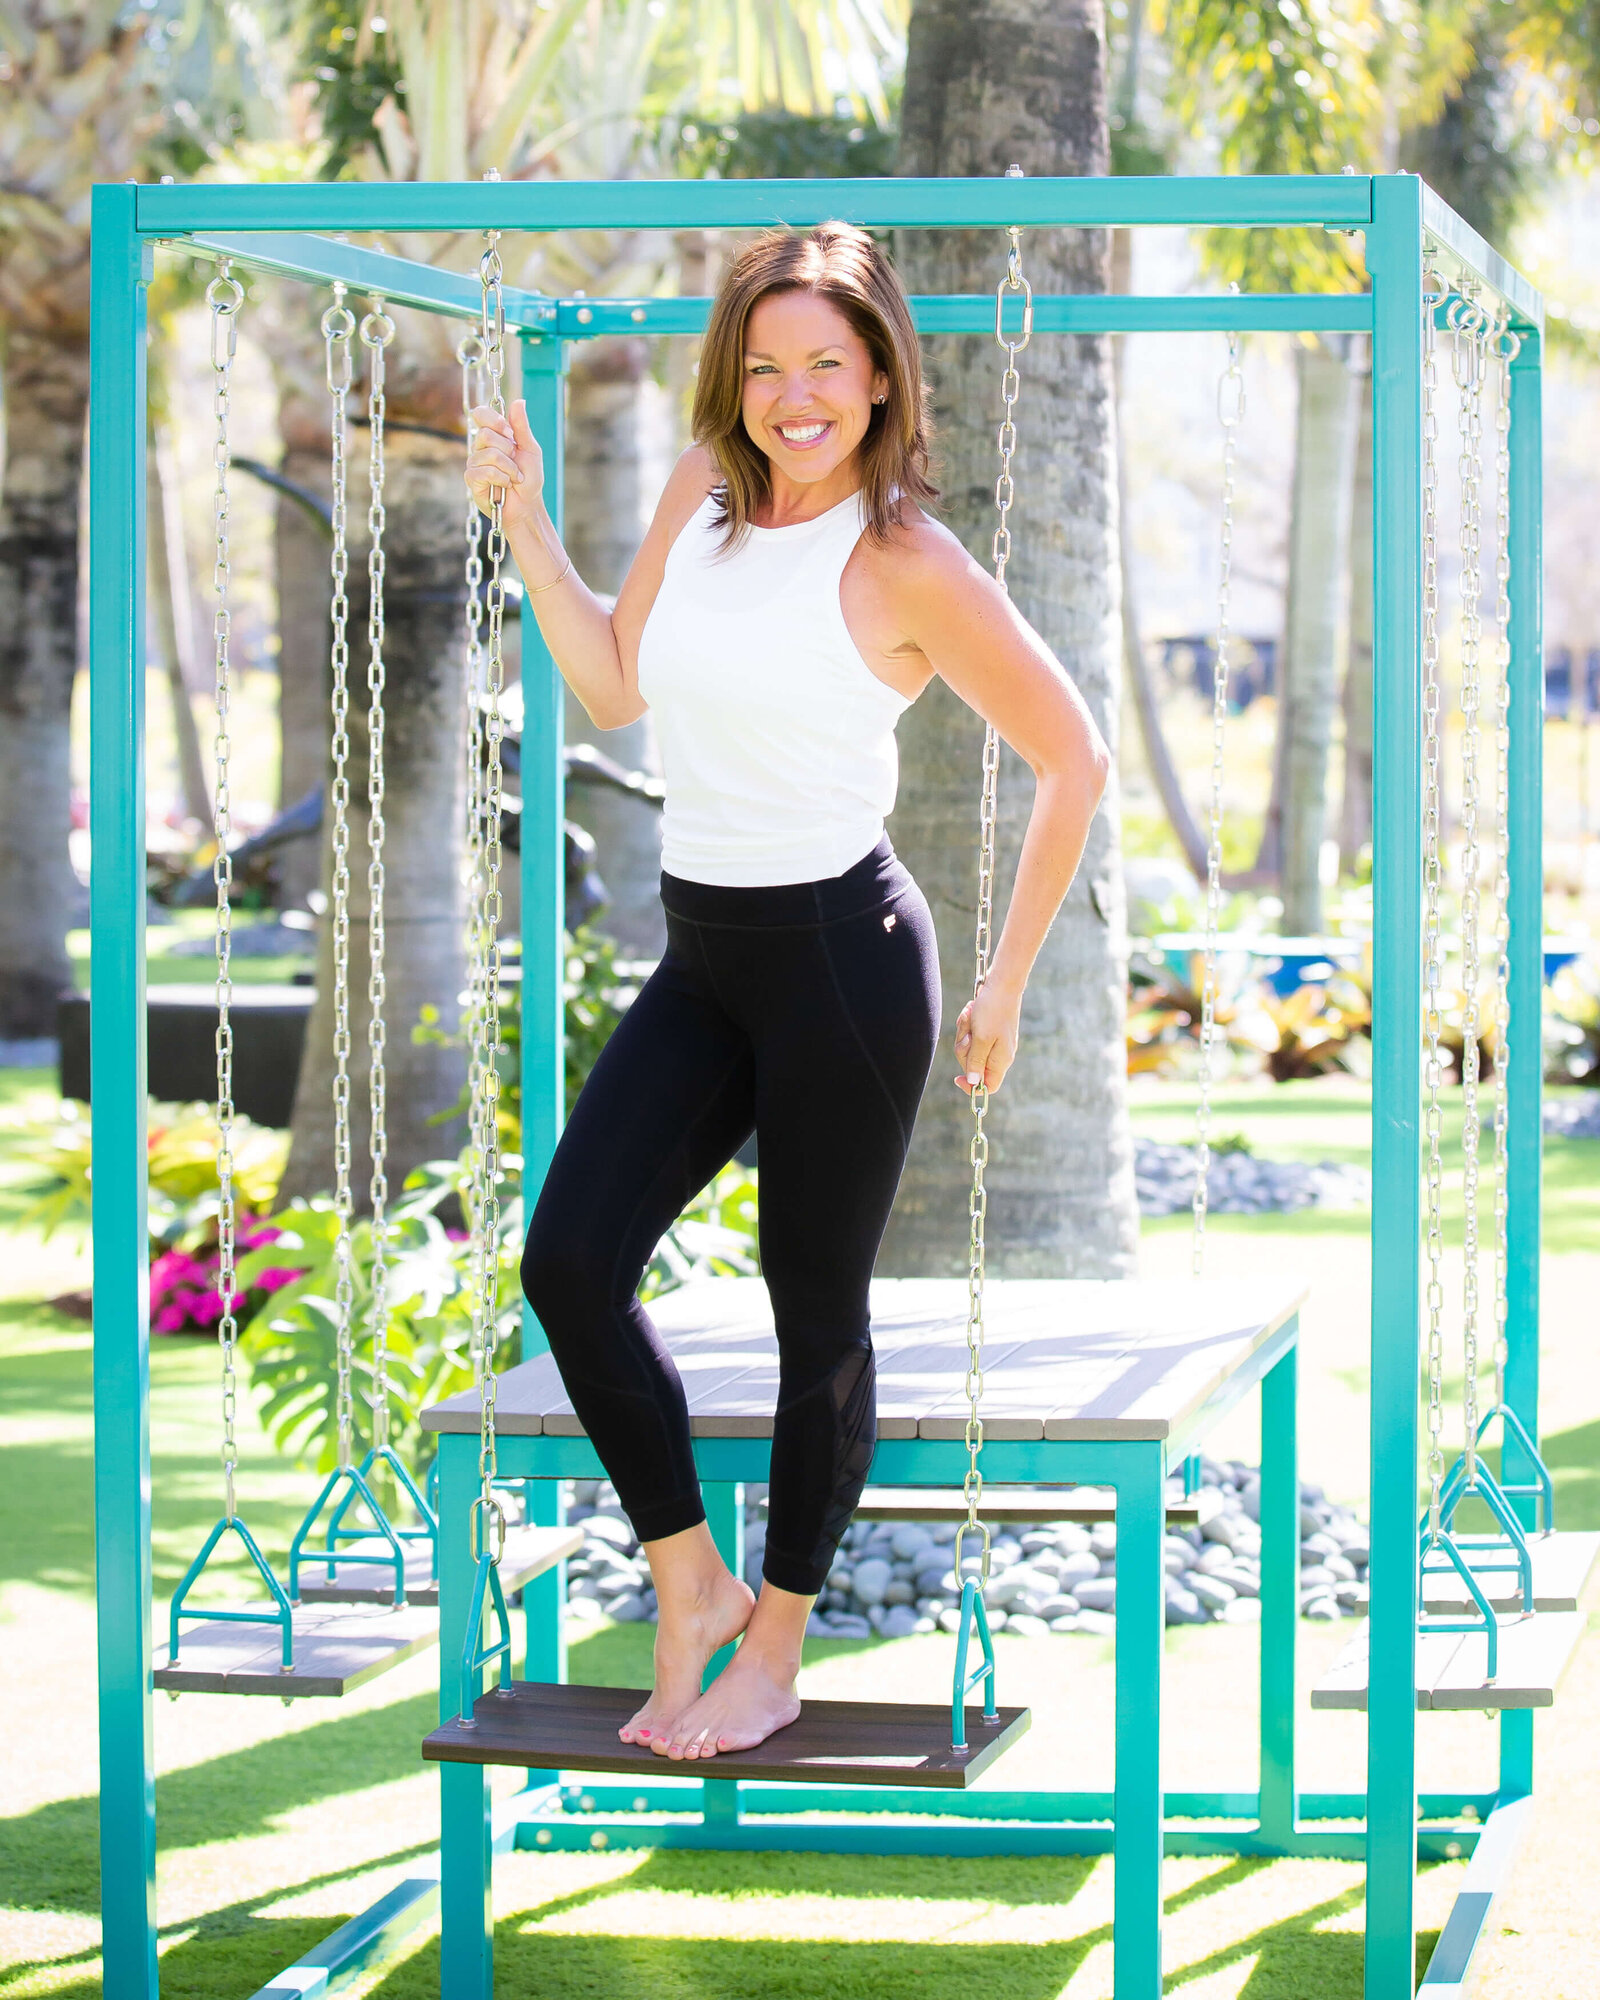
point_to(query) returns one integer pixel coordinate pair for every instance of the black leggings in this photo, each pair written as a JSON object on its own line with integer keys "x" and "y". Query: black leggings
{"x": 808, "y": 1014}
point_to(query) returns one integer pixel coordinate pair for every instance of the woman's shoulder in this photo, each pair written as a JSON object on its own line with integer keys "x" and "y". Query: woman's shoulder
{"x": 917, "y": 552}
{"x": 691, "y": 482}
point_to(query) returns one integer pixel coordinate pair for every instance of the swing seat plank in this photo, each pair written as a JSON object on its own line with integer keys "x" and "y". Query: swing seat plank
{"x": 1086, "y": 1505}
{"x": 530, "y": 1551}
{"x": 1452, "y": 1667}
{"x": 1562, "y": 1565}
{"x": 541, "y": 1725}
{"x": 336, "y": 1649}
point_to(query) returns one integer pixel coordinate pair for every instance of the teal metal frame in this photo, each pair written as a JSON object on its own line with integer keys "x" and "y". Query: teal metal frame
{"x": 276, "y": 228}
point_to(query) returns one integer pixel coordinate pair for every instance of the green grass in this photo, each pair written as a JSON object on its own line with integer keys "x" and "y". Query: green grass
{"x": 275, "y": 1824}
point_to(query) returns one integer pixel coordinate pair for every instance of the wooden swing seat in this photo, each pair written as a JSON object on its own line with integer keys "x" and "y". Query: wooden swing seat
{"x": 336, "y": 1648}
{"x": 540, "y": 1725}
{"x": 529, "y": 1552}
{"x": 1452, "y": 1667}
{"x": 1562, "y": 1564}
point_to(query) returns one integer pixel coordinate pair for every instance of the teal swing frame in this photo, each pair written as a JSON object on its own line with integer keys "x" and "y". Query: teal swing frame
{"x": 280, "y": 228}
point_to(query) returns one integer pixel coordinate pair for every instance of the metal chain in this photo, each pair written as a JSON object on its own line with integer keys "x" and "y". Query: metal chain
{"x": 486, "y": 1303}
{"x": 1505, "y": 346}
{"x": 1434, "y": 292}
{"x": 1014, "y": 282}
{"x": 1467, "y": 323}
{"x": 1230, "y": 412}
{"x": 224, "y": 295}
{"x": 338, "y": 328}
{"x": 471, "y": 354}
{"x": 377, "y": 330}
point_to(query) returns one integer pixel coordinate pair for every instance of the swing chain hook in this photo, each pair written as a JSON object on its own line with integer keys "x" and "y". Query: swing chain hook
{"x": 338, "y": 330}
{"x": 1434, "y": 293}
{"x": 377, "y": 331}
{"x": 224, "y": 296}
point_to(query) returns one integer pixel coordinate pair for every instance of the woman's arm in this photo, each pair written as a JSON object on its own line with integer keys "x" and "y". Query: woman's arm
{"x": 954, "y": 613}
{"x": 596, "y": 650}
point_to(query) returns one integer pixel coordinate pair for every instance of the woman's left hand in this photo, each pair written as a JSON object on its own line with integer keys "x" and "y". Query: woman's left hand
{"x": 987, "y": 1032}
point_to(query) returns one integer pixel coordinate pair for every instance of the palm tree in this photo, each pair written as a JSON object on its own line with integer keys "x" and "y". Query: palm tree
{"x": 81, "y": 106}
{"x": 446, "y": 92}
{"x": 989, "y": 84}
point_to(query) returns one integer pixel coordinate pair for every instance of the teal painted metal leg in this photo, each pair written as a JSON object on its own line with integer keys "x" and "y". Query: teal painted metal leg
{"x": 1523, "y": 1077}
{"x": 466, "y": 1909}
{"x": 543, "y": 850}
{"x": 725, "y": 1515}
{"x": 1525, "y": 1138}
{"x": 1280, "y": 1595}
{"x": 1141, "y": 1608}
{"x": 120, "y": 270}
{"x": 544, "y": 1600}
{"x": 1394, "y": 260}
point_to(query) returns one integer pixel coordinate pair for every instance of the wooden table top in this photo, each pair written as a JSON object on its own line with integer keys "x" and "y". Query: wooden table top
{"x": 1064, "y": 1359}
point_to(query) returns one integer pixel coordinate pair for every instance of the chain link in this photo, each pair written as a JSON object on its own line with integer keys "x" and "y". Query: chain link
{"x": 224, "y": 296}
{"x": 1230, "y": 413}
{"x": 1434, "y": 292}
{"x": 492, "y": 332}
{"x": 377, "y": 330}
{"x": 338, "y": 329}
{"x": 1014, "y": 283}
{"x": 1504, "y": 348}
{"x": 470, "y": 353}
{"x": 1468, "y": 323}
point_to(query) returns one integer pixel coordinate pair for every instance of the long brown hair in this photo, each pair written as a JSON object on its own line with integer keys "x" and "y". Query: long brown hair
{"x": 845, "y": 266}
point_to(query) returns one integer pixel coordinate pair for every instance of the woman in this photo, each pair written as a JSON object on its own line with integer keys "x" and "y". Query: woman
{"x": 789, "y": 601}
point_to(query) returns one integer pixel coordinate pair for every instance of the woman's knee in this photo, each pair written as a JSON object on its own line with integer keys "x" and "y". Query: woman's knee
{"x": 566, "y": 1277}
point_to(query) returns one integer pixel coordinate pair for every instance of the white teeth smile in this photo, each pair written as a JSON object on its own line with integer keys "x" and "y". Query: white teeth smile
{"x": 801, "y": 433}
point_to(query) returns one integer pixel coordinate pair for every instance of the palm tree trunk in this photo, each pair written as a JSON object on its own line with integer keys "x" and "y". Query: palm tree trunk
{"x": 610, "y": 482}
{"x": 1355, "y": 811}
{"x": 987, "y": 84}
{"x": 1319, "y": 531}
{"x": 172, "y": 604}
{"x": 47, "y": 393}
{"x": 426, "y": 746}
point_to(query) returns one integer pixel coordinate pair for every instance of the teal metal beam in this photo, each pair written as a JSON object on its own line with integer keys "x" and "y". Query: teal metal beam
{"x": 119, "y": 277}
{"x": 402, "y": 281}
{"x": 1450, "y": 1966}
{"x": 1463, "y": 253}
{"x": 1394, "y": 259}
{"x": 1257, "y": 201}
{"x": 543, "y": 817}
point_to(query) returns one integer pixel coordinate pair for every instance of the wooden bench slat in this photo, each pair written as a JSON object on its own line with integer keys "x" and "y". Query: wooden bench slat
{"x": 1086, "y": 1505}
{"x": 1533, "y": 1655}
{"x": 544, "y": 1726}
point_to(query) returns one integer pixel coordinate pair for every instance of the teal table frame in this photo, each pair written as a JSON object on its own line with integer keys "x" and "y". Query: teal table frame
{"x": 277, "y": 228}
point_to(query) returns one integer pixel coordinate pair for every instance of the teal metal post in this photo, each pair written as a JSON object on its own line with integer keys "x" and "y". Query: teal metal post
{"x": 544, "y": 1600}
{"x": 1280, "y": 1596}
{"x": 1525, "y": 1137}
{"x": 466, "y": 1963}
{"x": 119, "y": 276}
{"x": 719, "y": 1797}
{"x": 543, "y": 814}
{"x": 1394, "y": 261}
{"x": 1141, "y": 1625}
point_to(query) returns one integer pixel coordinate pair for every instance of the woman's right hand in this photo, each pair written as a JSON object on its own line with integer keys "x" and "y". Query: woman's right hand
{"x": 505, "y": 455}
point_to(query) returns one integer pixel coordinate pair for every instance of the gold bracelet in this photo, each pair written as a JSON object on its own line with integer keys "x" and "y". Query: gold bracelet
{"x": 533, "y": 589}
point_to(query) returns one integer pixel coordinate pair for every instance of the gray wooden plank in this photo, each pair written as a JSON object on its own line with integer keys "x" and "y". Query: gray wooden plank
{"x": 336, "y": 1648}
{"x": 1534, "y": 1650}
{"x": 530, "y": 1551}
{"x": 1049, "y": 1367}
{"x": 1344, "y": 1685}
{"x": 1087, "y": 1505}
{"x": 1562, "y": 1565}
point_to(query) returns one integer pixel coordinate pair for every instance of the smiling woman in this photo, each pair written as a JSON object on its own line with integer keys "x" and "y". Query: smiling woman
{"x": 790, "y": 601}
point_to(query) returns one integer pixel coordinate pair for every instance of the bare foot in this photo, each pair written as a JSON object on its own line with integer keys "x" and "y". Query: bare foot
{"x": 686, "y": 1637}
{"x": 750, "y": 1699}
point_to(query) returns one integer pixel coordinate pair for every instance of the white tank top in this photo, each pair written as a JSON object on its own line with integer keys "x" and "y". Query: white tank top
{"x": 776, "y": 738}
